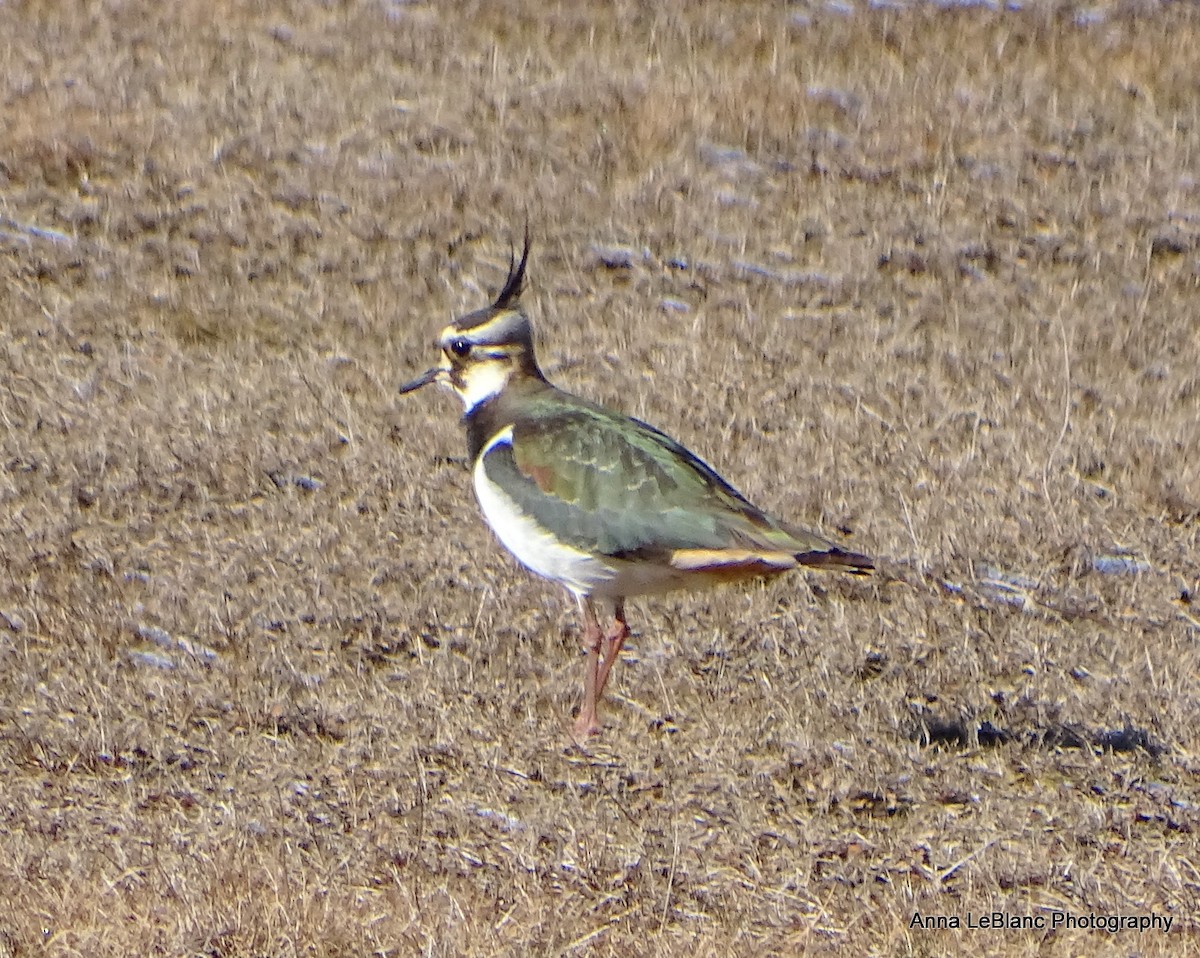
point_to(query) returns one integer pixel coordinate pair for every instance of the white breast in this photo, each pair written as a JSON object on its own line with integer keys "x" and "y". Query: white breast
{"x": 530, "y": 542}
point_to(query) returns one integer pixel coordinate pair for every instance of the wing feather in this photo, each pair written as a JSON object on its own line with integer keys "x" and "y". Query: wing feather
{"x": 621, "y": 488}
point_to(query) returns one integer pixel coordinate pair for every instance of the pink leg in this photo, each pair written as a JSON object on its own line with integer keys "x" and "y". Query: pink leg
{"x": 587, "y": 723}
{"x": 613, "y": 642}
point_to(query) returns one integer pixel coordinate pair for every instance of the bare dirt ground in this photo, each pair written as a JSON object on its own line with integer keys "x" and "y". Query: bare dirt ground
{"x": 926, "y": 278}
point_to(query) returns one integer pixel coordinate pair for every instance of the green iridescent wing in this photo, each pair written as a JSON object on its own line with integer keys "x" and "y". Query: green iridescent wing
{"x": 615, "y": 486}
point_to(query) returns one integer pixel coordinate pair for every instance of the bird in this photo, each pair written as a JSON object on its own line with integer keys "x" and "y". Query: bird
{"x": 602, "y": 503}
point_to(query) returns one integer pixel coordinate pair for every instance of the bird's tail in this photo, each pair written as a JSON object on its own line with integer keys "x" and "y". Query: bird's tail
{"x": 836, "y": 559}
{"x": 803, "y": 547}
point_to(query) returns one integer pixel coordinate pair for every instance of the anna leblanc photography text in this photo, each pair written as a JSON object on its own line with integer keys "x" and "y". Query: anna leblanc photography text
{"x": 1051, "y": 921}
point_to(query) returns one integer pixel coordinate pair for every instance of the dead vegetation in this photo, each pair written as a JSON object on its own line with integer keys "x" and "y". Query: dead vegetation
{"x": 924, "y": 276}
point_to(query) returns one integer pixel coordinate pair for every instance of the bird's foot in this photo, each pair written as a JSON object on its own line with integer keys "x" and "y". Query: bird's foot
{"x": 586, "y": 726}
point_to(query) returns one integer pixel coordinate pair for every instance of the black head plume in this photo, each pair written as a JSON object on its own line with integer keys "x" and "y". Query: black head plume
{"x": 516, "y": 279}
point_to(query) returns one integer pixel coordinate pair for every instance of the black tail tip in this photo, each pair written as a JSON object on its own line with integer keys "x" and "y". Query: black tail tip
{"x": 853, "y": 562}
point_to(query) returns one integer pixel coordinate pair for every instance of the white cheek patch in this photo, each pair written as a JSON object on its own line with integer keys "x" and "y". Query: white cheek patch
{"x": 481, "y": 382}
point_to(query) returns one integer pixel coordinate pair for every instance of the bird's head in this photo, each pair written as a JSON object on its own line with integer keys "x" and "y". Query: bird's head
{"x": 482, "y": 351}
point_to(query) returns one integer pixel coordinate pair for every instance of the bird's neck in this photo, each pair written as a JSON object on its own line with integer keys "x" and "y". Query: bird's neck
{"x": 487, "y": 418}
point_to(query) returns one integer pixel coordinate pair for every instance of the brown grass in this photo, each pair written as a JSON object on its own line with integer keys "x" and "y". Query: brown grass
{"x": 927, "y": 277}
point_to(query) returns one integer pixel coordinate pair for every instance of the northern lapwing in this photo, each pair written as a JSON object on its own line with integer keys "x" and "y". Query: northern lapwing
{"x": 601, "y": 503}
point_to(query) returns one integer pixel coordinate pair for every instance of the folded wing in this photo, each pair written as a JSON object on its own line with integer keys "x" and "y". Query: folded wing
{"x": 620, "y": 488}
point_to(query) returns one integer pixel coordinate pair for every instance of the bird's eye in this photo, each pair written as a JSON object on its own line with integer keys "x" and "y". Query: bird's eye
{"x": 460, "y": 347}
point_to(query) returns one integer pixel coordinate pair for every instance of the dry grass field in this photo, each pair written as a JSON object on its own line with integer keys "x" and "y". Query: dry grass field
{"x": 927, "y": 278}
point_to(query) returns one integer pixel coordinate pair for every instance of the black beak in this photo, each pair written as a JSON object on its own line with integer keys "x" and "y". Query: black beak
{"x": 423, "y": 380}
